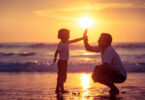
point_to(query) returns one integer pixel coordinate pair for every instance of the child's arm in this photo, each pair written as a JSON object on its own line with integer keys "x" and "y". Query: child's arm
{"x": 55, "y": 56}
{"x": 78, "y": 39}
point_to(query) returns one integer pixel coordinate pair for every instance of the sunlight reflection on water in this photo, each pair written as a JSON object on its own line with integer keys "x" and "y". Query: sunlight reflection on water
{"x": 41, "y": 86}
{"x": 85, "y": 79}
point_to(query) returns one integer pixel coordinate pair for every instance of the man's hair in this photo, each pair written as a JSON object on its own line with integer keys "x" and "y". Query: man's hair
{"x": 107, "y": 38}
{"x": 62, "y": 33}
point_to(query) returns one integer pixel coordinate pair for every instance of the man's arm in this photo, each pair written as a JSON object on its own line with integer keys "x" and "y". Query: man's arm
{"x": 87, "y": 45}
{"x": 55, "y": 56}
{"x": 76, "y": 40}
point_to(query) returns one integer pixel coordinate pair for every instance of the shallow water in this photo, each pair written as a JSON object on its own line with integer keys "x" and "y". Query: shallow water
{"x": 36, "y": 86}
{"x": 36, "y": 57}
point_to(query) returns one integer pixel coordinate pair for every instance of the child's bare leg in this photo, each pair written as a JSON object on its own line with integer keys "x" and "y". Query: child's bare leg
{"x": 57, "y": 87}
{"x": 62, "y": 88}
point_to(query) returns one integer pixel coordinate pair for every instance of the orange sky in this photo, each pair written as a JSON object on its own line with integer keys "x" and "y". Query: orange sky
{"x": 39, "y": 20}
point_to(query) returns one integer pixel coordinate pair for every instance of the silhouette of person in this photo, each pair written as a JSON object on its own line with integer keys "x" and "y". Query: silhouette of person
{"x": 111, "y": 70}
{"x": 63, "y": 51}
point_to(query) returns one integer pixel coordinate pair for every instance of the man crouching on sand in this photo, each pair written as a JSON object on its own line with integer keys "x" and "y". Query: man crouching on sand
{"x": 111, "y": 70}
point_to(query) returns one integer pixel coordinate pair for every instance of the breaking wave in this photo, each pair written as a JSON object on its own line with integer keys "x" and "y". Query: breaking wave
{"x": 73, "y": 67}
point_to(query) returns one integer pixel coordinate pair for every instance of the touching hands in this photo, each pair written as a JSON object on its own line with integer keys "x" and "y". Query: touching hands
{"x": 85, "y": 37}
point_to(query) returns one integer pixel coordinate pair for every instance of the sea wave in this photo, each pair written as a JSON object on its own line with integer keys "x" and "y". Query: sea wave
{"x": 26, "y": 67}
{"x": 6, "y": 54}
{"x": 20, "y": 54}
{"x": 129, "y": 45}
{"x": 76, "y": 46}
{"x": 73, "y": 67}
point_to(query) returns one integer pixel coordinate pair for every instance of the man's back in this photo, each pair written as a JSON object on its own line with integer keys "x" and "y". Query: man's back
{"x": 110, "y": 56}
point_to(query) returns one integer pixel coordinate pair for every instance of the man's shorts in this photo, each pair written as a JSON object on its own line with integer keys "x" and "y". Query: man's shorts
{"x": 99, "y": 73}
{"x": 62, "y": 70}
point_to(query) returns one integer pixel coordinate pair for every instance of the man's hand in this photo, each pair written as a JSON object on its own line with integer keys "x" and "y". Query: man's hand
{"x": 85, "y": 33}
{"x": 85, "y": 37}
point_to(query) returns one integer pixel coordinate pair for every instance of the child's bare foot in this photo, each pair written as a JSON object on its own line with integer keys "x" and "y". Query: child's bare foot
{"x": 64, "y": 91}
{"x": 57, "y": 91}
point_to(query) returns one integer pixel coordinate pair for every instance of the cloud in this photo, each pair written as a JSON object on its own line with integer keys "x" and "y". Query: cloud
{"x": 119, "y": 1}
{"x": 68, "y": 10}
{"x": 113, "y": 11}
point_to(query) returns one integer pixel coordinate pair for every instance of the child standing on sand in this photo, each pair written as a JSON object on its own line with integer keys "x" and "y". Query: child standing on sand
{"x": 63, "y": 51}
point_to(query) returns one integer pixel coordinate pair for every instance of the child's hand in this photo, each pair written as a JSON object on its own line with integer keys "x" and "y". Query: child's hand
{"x": 54, "y": 60}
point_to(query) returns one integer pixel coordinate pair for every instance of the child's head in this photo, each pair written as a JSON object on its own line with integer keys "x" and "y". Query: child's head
{"x": 63, "y": 34}
{"x": 105, "y": 40}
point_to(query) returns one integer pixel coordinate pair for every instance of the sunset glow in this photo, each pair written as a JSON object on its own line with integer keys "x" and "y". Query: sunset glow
{"x": 85, "y": 22}
{"x": 26, "y": 21}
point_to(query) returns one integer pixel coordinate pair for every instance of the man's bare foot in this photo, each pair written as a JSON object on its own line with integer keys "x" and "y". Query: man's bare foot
{"x": 114, "y": 91}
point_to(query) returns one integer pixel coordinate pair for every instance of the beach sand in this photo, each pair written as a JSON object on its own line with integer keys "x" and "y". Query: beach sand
{"x": 41, "y": 86}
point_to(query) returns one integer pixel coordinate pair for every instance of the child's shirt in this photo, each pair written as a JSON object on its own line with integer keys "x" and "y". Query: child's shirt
{"x": 110, "y": 56}
{"x": 63, "y": 49}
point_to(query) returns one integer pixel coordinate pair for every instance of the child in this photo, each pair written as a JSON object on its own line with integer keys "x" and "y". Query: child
{"x": 63, "y": 51}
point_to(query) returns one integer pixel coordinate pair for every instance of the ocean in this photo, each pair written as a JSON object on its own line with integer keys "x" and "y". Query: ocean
{"x": 27, "y": 72}
{"x": 38, "y": 57}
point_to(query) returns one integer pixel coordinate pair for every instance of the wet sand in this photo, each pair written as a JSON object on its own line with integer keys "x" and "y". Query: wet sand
{"x": 41, "y": 86}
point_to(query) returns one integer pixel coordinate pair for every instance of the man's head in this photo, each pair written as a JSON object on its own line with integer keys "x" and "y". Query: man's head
{"x": 63, "y": 34}
{"x": 105, "y": 40}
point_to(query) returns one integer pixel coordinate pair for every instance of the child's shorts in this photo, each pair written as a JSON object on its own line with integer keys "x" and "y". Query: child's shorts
{"x": 62, "y": 70}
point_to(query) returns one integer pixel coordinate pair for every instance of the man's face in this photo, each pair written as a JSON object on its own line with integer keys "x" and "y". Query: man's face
{"x": 102, "y": 42}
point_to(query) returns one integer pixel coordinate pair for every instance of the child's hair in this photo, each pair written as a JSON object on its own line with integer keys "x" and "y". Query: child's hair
{"x": 63, "y": 33}
{"x": 107, "y": 37}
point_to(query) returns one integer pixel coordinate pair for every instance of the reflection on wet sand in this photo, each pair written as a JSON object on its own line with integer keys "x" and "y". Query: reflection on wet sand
{"x": 87, "y": 91}
{"x": 41, "y": 86}
{"x": 87, "y": 95}
{"x": 85, "y": 79}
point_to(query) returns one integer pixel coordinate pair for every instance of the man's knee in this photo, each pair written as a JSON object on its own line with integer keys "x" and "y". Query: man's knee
{"x": 97, "y": 76}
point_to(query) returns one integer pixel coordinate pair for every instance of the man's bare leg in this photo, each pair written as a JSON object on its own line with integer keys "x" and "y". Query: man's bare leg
{"x": 108, "y": 82}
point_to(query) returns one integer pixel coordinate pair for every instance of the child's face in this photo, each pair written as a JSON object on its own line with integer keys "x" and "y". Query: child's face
{"x": 65, "y": 38}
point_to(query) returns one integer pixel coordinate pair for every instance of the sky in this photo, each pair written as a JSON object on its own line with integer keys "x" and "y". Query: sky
{"x": 40, "y": 20}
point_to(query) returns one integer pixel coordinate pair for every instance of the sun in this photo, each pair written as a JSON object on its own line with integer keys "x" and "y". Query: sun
{"x": 85, "y": 22}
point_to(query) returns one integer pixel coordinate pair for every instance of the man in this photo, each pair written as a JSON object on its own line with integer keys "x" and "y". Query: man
{"x": 111, "y": 70}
